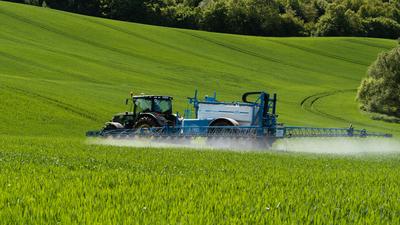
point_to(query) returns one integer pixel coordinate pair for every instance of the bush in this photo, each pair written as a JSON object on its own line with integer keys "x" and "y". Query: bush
{"x": 380, "y": 90}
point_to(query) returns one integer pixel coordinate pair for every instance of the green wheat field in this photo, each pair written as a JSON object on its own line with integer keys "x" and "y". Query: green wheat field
{"x": 62, "y": 74}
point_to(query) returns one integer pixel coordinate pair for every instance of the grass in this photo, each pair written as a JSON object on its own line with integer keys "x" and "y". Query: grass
{"x": 74, "y": 183}
{"x": 62, "y": 74}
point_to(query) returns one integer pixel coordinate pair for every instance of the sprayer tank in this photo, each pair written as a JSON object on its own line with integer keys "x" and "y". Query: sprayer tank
{"x": 242, "y": 113}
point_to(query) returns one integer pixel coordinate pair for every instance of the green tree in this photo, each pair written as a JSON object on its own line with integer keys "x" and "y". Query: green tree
{"x": 179, "y": 15}
{"x": 87, "y": 7}
{"x": 382, "y": 27}
{"x": 380, "y": 90}
{"x": 129, "y": 10}
{"x": 339, "y": 21}
{"x": 291, "y": 25}
{"x": 264, "y": 18}
{"x": 255, "y": 17}
{"x": 215, "y": 17}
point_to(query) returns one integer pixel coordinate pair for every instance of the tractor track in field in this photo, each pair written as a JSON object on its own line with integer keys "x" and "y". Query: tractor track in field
{"x": 105, "y": 64}
{"x": 308, "y": 104}
{"x": 236, "y": 49}
{"x": 98, "y": 45}
{"x": 95, "y": 44}
{"x": 170, "y": 46}
{"x": 42, "y": 66}
{"x": 86, "y": 41}
{"x": 319, "y": 53}
{"x": 361, "y": 42}
{"x": 264, "y": 57}
{"x": 67, "y": 107}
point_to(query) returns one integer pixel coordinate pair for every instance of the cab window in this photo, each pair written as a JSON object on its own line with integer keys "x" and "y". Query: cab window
{"x": 162, "y": 106}
{"x": 143, "y": 105}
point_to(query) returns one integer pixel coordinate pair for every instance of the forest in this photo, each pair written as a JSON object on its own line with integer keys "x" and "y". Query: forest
{"x": 361, "y": 18}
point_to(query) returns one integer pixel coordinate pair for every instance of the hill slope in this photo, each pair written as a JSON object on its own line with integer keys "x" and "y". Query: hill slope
{"x": 61, "y": 74}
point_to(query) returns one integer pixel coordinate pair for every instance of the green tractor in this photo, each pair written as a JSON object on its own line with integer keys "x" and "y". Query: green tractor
{"x": 145, "y": 111}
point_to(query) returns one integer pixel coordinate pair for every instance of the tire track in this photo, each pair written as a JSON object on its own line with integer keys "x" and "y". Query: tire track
{"x": 172, "y": 47}
{"x": 115, "y": 66}
{"x": 151, "y": 60}
{"x": 28, "y": 62}
{"x": 234, "y": 48}
{"x": 105, "y": 64}
{"x": 361, "y": 42}
{"x": 259, "y": 56}
{"x": 65, "y": 106}
{"x": 65, "y": 34}
{"x": 77, "y": 38}
{"x": 319, "y": 53}
{"x": 309, "y": 102}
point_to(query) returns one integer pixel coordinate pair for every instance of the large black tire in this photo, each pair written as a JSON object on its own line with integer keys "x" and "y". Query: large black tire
{"x": 145, "y": 122}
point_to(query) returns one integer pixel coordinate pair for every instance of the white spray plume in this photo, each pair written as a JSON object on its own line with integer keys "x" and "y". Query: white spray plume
{"x": 336, "y": 145}
{"x": 220, "y": 143}
{"x": 345, "y": 146}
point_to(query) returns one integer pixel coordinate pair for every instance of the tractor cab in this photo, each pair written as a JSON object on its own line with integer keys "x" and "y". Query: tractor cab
{"x": 144, "y": 111}
{"x": 151, "y": 104}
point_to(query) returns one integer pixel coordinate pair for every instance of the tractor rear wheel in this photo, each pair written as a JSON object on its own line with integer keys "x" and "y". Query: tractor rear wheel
{"x": 146, "y": 122}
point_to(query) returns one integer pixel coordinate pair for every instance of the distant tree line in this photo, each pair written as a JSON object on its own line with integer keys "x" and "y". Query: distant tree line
{"x": 369, "y": 18}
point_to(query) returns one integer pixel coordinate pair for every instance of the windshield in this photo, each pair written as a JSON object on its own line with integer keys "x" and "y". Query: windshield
{"x": 162, "y": 106}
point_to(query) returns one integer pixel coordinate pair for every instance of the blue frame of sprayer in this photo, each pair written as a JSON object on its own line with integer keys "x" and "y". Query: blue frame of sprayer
{"x": 264, "y": 120}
